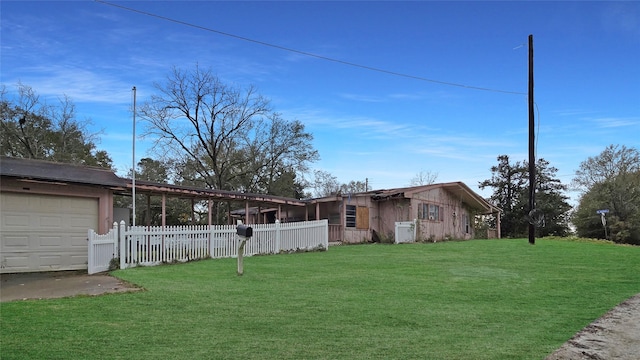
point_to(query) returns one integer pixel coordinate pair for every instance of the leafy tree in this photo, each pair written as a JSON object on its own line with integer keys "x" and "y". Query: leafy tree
{"x": 551, "y": 201}
{"x": 511, "y": 194}
{"x": 508, "y": 181}
{"x": 152, "y": 170}
{"x": 286, "y": 183}
{"x": 613, "y": 161}
{"x": 610, "y": 181}
{"x": 33, "y": 129}
{"x": 178, "y": 210}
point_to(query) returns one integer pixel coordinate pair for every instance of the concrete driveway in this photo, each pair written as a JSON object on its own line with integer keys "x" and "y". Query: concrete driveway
{"x": 58, "y": 284}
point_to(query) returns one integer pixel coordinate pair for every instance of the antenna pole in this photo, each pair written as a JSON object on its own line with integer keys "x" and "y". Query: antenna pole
{"x": 133, "y": 165}
{"x": 532, "y": 156}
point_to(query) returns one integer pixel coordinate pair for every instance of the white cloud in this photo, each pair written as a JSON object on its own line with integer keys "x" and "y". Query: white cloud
{"x": 613, "y": 122}
{"x": 82, "y": 85}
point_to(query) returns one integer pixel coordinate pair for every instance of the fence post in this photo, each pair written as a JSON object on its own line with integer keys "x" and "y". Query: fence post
{"x": 211, "y": 254}
{"x": 116, "y": 240}
{"x": 325, "y": 234}
{"x": 277, "y": 236}
{"x": 123, "y": 247}
{"x": 91, "y": 255}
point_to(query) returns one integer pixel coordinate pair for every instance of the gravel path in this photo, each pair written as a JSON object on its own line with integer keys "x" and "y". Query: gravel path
{"x": 616, "y": 335}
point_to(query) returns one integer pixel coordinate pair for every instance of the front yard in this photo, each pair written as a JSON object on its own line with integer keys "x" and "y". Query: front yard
{"x": 484, "y": 299}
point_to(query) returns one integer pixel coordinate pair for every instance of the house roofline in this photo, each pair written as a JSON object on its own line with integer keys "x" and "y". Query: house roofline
{"x": 468, "y": 195}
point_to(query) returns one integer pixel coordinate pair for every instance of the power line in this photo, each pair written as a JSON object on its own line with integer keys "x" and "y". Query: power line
{"x": 343, "y": 62}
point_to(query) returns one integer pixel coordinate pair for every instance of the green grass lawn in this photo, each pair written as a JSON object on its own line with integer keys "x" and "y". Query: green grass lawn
{"x": 484, "y": 299}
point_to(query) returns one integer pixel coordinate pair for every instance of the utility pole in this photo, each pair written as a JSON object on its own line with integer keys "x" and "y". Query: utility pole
{"x": 532, "y": 155}
{"x": 133, "y": 165}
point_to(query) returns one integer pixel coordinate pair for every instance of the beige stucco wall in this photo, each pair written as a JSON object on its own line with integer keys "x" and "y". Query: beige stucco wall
{"x": 104, "y": 196}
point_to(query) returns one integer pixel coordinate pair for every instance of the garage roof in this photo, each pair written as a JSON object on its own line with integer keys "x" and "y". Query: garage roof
{"x": 39, "y": 170}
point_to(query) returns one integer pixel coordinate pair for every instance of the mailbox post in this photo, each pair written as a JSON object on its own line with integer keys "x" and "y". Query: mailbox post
{"x": 244, "y": 233}
{"x": 602, "y": 213}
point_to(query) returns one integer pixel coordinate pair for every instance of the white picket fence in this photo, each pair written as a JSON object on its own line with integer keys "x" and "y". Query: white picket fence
{"x": 102, "y": 249}
{"x": 148, "y": 246}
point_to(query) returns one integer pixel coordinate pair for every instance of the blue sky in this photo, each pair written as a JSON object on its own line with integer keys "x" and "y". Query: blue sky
{"x": 366, "y": 124}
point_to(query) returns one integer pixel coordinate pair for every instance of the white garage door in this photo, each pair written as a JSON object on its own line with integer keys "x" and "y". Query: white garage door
{"x": 44, "y": 233}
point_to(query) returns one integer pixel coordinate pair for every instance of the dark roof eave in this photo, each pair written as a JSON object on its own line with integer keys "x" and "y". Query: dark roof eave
{"x": 52, "y": 172}
{"x": 151, "y": 187}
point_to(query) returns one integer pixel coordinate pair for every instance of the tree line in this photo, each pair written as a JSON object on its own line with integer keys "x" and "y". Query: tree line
{"x": 608, "y": 182}
{"x": 218, "y": 136}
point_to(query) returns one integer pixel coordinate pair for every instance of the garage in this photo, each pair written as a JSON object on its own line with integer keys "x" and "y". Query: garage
{"x": 45, "y": 232}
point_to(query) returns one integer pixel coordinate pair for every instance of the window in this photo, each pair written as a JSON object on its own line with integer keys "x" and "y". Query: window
{"x": 434, "y": 212}
{"x": 357, "y": 217}
{"x": 429, "y": 212}
{"x": 465, "y": 223}
{"x": 351, "y": 216}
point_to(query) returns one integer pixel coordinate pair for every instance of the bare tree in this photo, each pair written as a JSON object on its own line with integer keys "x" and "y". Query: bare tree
{"x": 423, "y": 178}
{"x": 324, "y": 184}
{"x": 277, "y": 148}
{"x": 202, "y": 121}
{"x": 224, "y": 137}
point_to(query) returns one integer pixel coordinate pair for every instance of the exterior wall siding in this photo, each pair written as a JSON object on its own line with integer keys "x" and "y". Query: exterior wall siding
{"x": 450, "y": 223}
{"x": 391, "y": 211}
{"x": 354, "y": 235}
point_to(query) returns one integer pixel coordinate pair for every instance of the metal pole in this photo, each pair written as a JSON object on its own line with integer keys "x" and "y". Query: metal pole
{"x": 133, "y": 164}
{"x": 532, "y": 156}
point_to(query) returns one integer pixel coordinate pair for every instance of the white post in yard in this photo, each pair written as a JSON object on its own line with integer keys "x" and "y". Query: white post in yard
{"x": 244, "y": 233}
{"x": 123, "y": 246}
{"x": 243, "y": 241}
{"x": 277, "y": 251}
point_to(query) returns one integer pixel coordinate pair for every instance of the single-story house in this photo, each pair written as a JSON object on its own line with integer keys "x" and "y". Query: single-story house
{"x": 441, "y": 211}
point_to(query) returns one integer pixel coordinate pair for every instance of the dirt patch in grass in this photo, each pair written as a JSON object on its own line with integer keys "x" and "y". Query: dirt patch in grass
{"x": 59, "y": 284}
{"x": 616, "y": 335}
